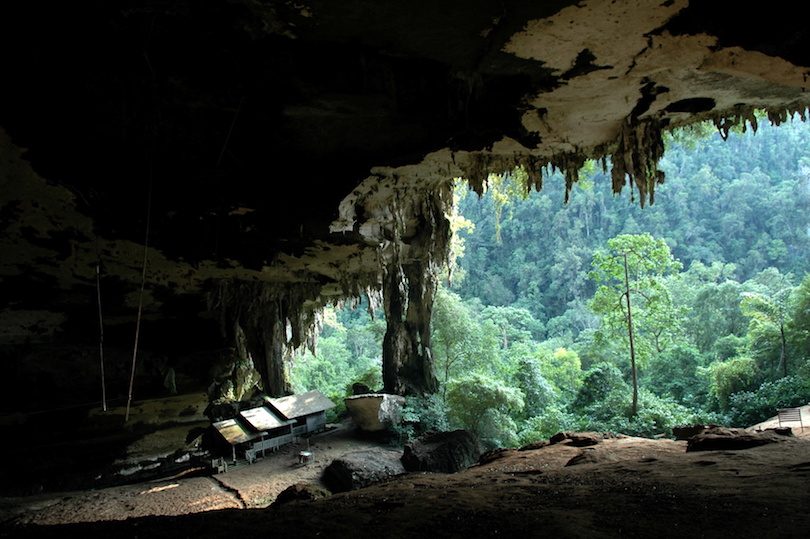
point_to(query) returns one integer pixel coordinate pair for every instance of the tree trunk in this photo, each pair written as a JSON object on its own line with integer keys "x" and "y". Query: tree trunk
{"x": 634, "y": 409}
{"x": 783, "y": 352}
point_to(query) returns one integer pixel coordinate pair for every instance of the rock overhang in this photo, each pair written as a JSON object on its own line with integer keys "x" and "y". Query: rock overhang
{"x": 294, "y": 143}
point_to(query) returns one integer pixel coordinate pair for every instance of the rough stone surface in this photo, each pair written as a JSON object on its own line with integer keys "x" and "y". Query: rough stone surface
{"x": 300, "y": 492}
{"x": 158, "y": 160}
{"x": 362, "y": 468}
{"x": 374, "y": 412}
{"x": 684, "y": 433}
{"x": 444, "y": 452}
{"x": 577, "y": 439}
{"x": 722, "y": 439}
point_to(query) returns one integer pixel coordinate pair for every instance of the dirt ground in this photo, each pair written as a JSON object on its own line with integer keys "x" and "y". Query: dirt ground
{"x": 628, "y": 487}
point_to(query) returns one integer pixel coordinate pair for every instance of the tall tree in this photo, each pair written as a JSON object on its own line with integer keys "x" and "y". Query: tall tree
{"x": 460, "y": 339}
{"x": 771, "y": 308}
{"x": 632, "y": 299}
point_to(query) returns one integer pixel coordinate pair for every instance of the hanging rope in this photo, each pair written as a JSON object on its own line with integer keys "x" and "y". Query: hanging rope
{"x": 140, "y": 299}
{"x": 230, "y": 130}
{"x": 100, "y": 330}
{"x": 146, "y": 237}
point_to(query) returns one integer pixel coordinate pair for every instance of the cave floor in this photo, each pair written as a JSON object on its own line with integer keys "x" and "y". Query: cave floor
{"x": 628, "y": 487}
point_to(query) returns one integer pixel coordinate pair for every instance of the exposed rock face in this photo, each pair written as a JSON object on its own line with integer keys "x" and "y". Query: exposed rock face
{"x": 300, "y": 492}
{"x": 578, "y": 439}
{"x": 158, "y": 165}
{"x": 443, "y": 452}
{"x": 362, "y": 468}
{"x": 375, "y": 412}
{"x": 722, "y": 438}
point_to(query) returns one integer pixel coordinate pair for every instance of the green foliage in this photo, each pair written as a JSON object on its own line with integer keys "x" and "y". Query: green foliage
{"x": 742, "y": 201}
{"x": 563, "y": 369}
{"x": 479, "y": 404}
{"x": 519, "y": 329}
{"x": 462, "y": 340}
{"x": 552, "y": 420}
{"x": 633, "y": 267}
{"x": 634, "y": 303}
{"x": 656, "y": 415}
{"x": 674, "y": 374}
{"x": 727, "y": 377}
{"x": 600, "y": 381}
{"x": 798, "y": 326}
{"x": 420, "y": 413}
{"x": 728, "y": 347}
{"x": 706, "y": 291}
{"x": 349, "y": 350}
{"x": 748, "y": 408}
{"x": 769, "y": 309}
{"x": 514, "y": 324}
{"x": 539, "y": 393}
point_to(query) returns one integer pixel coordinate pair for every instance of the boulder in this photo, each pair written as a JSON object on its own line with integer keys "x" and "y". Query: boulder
{"x": 577, "y": 439}
{"x": 721, "y": 438}
{"x": 300, "y": 492}
{"x": 539, "y": 444}
{"x": 684, "y": 433}
{"x": 444, "y": 452}
{"x": 374, "y": 412}
{"x": 362, "y": 468}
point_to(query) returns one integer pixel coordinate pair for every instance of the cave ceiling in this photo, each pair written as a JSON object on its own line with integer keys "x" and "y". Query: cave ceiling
{"x": 290, "y": 141}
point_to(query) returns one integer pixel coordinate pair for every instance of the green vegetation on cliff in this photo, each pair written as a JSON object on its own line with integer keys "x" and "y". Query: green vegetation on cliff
{"x": 533, "y": 336}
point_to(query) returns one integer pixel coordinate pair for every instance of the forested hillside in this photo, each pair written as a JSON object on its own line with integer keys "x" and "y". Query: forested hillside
{"x": 600, "y": 314}
{"x": 743, "y": 201}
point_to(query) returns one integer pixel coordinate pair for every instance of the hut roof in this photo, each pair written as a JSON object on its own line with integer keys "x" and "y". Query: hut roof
{"x": 261, "y": 418}
{"x": 234, "y": 432}
{"x": 301, "y": 404}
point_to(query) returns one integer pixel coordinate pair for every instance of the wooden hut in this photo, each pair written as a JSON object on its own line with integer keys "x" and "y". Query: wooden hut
{"x": 255, "y": 431}
{"x": 307, "y": 410}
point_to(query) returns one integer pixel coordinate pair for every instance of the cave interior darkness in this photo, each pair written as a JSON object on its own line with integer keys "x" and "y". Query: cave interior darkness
{"x": 278, "y": 156}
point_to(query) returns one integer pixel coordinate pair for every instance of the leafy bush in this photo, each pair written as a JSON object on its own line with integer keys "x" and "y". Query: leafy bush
{"x": 472, "y": 402}
{"x": 420, "y": 413}
{"x": 544, "y": 426}
{"x": 656, "y": 415}
{"x": 732, "y": 376}
{"x": 747, "y": 408}
{"x": 600, "y": 381}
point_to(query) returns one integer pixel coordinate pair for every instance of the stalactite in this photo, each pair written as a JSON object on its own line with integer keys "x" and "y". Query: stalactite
{"x": 275, "y": 320}
{"x": 639, "y": 149}
{"x": 413, "y": 238}
{"x": 633, "y": 155}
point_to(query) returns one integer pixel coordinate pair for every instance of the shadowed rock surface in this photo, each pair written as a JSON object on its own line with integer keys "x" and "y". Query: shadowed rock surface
{"x": 444, "y": 452}
{"x": 362, "y": 468}
{"x": 221, "y": 170}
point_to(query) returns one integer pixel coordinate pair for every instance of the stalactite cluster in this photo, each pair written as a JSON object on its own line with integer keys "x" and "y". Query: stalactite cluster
{"x": 639, "y": 149}
{"x": 271, "y": 319}
{"x": 634, "y": 154}
{"x": 412, "y": 232}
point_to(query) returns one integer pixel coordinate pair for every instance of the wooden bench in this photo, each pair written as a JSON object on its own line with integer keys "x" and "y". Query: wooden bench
{"x": 790, "y": 414}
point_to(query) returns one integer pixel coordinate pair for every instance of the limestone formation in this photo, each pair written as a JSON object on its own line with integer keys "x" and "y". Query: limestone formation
{"x": 362, "y": 468}
{"x": 725, "y": 439}
{"x": 442, "y": 452}
{"x": 375, "y": 412}
{"x": 252, "y": 162}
